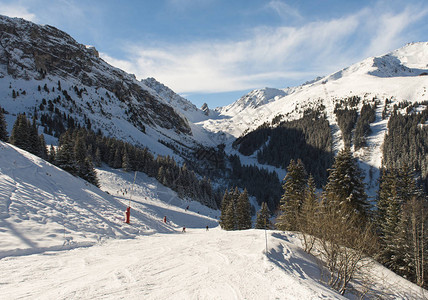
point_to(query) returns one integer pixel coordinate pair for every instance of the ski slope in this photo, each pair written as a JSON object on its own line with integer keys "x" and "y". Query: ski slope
{"x": 44, "y": 208}
{"x": 61, "y": 238}
{"x": 197, "y": 264}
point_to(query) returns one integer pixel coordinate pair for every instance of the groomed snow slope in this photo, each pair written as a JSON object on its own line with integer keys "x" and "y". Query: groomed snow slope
{"x": 197, "y": 264}
{"x": 61, "y": 238}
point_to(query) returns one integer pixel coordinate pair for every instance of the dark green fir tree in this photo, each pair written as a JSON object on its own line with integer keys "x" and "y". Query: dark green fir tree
{"x": 292, "y": 199}
{"x": 3, "y": 127}
{"x": 243, "y": 211}
{"x": 262, "y": 220}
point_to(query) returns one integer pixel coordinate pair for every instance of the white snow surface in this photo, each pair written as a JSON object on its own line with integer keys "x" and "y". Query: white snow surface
{"x": 61, "y": 238}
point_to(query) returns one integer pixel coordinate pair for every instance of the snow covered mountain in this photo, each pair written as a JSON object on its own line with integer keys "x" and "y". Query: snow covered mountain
{"x": 396, "y": 79}
{"x": 400, "y": 75}
{"x": 253, "y": 100}
{"x": 62, "y": 238}
{"x": 44, "y": 71}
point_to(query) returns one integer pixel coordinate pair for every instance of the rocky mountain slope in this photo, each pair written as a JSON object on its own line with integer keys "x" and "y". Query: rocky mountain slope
{"x": 45, "y": 71}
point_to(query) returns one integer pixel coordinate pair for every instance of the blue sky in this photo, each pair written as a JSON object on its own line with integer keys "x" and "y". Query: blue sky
{"x": 215, "y": 51}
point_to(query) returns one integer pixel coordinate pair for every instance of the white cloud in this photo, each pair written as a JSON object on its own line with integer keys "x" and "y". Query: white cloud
{"x": 390, "y": 27}
{"x": 16, "y": 10}
{"x": 268, "y": 54}
{"x": 283, "y": 9}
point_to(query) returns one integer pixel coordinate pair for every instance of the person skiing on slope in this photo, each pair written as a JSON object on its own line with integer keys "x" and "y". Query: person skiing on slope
{"x": 184, "y": 229}
{"x": 164, "y": 219}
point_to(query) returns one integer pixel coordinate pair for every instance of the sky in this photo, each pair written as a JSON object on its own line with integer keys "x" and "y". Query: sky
{"x": 215, "y": 51}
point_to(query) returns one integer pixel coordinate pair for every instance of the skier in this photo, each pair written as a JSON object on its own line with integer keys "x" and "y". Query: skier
{"x": 164, "y": 219}
{"x": 207, "y": 227}
{"x": 184, "y": 229}
{"x": 187, "y": 208}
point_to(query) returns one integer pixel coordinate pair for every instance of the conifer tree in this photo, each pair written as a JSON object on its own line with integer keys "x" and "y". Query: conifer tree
{"x": 64, "y": 157}
{"x": 43, "y": 150}
{"x": 3, "y": 127}
{"x": 34, "y": 139}
{"x": 80, "y": 155}
{"x": 262, "y": 220}
{"x": 21, "y": 133}
{"x": 292, "y": 199}
{"x": 89, "y": 173}
{"x": 224, "y": 203}
{"x": 345, "y": 186}
{"x": 117, "y": 160}
{"x": 243, "y": 211}
{"x": 403, "y": 224}
{"x": 227, "y": 217}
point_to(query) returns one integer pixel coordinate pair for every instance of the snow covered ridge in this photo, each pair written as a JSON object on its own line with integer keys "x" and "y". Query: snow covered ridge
{"x": 401, "y": 74}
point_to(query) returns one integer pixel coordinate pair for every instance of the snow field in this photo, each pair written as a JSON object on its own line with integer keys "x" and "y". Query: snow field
{"x": 198, "y": 264}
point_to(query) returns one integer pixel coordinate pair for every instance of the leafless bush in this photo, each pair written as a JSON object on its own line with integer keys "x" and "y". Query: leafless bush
{"x": 344, "y": 241}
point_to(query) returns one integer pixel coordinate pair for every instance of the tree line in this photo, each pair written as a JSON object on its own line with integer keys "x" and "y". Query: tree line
{"x": 406, "y": 142}
{"x": 308, "y": 139}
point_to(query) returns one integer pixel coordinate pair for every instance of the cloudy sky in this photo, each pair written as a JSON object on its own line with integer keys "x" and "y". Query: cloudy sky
{"x": 215, "y": 51}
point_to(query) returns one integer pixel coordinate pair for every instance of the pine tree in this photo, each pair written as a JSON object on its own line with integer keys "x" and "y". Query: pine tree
{"x": 80, "y": 154}
{"x": 345, "y": 186}
{"x": 64, "y": 157}
{"x": 89, "y": 173}
{"x": 21, "y": 133}
{"x": 42, "y": 147}
{"x": 262, "y": 220}
{"x": 403, "y": 224}
{"x": 243, "y": 211}
{"x": 227, "y": 217}
{"x": 292, "y": 199}
{"x": 34, "y": 139}
{"x": 224, "y": 203}
{"x": 3, "y": 127}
